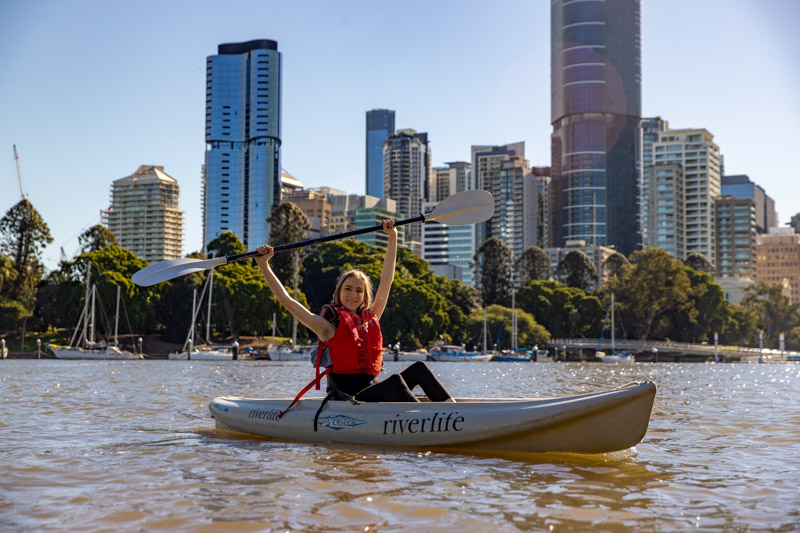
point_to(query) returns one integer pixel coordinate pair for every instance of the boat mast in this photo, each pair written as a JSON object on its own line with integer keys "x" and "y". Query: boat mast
{"x": 513, "y": 321}
{"x": 294, "y": 322}
{"x": 612, "y": 322}
{"x": 91, "y": 326}
{"x": 208, "y": 315}
{"x": 190, "y": 340}
{"x": 83, "y": 338}
{"x": 484, "y": 330}
{"x": 116, "y": 320}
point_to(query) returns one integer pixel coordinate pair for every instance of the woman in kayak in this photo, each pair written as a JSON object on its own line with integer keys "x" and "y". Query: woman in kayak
{"x": 350, "y": 329}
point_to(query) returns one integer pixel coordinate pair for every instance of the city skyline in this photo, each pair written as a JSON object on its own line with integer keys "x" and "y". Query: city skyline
{"x": 83, "y": 115}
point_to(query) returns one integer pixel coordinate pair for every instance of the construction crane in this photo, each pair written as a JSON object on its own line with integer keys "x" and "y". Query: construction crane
{"x": 19, "y": 175}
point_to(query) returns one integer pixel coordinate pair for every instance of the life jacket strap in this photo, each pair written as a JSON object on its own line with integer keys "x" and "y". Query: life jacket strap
{"x": 316, "y": 381}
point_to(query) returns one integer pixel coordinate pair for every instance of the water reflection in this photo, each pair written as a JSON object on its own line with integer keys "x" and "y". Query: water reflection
{"x": 130, "y": 445}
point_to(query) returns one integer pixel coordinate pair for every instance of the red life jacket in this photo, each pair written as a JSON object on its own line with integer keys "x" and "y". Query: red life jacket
{"x": 357, "y": 345}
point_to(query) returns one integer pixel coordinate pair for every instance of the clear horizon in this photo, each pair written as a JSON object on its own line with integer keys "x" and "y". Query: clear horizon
{"x": 92, "y": 90}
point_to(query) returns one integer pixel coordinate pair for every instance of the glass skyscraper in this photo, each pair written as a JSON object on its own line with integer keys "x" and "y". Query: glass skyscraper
{"x": 596, "y": 108}
{"x": 242, "y": 172}
{"x": 380, "y": 125}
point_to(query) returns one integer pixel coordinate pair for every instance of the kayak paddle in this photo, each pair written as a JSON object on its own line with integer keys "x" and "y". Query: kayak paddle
{"x": 462, "y": 209}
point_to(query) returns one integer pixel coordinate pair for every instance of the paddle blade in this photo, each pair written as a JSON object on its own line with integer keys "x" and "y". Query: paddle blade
{"x": 166, "y": 270}
{"x": 464, "y": 208}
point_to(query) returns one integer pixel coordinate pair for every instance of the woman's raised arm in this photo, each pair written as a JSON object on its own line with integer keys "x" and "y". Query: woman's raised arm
{"x": 315, "y": 323}
{"x": 387, "y": 272}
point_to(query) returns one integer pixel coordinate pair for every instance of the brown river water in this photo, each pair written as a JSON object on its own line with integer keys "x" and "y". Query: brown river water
{"x": 130, "y": 446}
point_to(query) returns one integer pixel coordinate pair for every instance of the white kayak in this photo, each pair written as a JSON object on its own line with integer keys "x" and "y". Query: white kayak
{"x": 597, "y": 422}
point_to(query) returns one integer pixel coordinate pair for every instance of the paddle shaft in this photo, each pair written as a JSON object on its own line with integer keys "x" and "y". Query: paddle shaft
{"x": 300, "y": 244}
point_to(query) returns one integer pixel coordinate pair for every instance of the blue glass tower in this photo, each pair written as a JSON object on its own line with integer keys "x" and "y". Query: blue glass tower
{"x": 596, "y": 99}
{"x": 242, "y": 173}
{"x": 380, "y": 125}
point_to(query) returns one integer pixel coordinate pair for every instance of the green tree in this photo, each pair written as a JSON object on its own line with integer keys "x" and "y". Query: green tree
{"x": 616, "y": 265}
{"x": 493, "y": 260}
{"x": 656, "y": 284}
{"x": 705, "y": 312}
{"x": 24, "y": 234}
{"x": 576, "y": 270}
{"x": 774, "y": 311}
{"x": 699, "y": 262}
{"x": 226, "y": 244}
{"x": 499, "y": 328}
{"x": 533, "y": 264}
{"x": 563, "y": 311}
{"x": 289, "y": 225}
{"x": 96, "y": 238}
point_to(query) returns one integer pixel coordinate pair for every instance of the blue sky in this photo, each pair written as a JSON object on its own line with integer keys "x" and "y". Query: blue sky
{"x": 90, "y": 90}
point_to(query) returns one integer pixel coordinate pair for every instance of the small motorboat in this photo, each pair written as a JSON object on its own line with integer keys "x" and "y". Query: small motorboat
{"x": 596, "y": 422}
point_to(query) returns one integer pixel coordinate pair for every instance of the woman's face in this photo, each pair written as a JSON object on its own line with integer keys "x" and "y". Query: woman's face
{"x": 351, "y": 293}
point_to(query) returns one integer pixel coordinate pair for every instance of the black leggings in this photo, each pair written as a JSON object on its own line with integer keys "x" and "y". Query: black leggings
{"x": 398, "y": 387}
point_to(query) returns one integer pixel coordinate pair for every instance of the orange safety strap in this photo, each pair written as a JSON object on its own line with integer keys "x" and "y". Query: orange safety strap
{"x": 305, "y": 390}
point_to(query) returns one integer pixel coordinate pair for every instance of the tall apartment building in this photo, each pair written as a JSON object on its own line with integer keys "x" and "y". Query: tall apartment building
{"x": 449, "y": 249}
{"x": 665, "y": 218}
{"x": 242, "y": 173}
{"x": 510, "y": 186}
{"x": 694, "y": 151}
{"x": 541, "y": 197}
{"x": 778, "y": 259}
{"x": 737, "y": 229}
{"x": 651, "y": 127}
{"x": 487, "y": 162}
{"x": 740, "y": 186}
{"x": 145, "y": 214}
{"x": 595, "y": 68}
{"x": 380, "y": 125}
{"x": 456, "y": 177}
{"x": 406, "y": 173}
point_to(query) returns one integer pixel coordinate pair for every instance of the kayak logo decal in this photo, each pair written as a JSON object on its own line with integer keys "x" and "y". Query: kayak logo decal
{"x": 338, "y": 422}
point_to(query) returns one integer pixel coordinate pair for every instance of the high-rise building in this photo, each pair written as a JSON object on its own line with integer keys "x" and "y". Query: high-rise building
{"x": 666, "y": 227}
{"x": 145, "y": 214}
{"x": 242, "y": 173}
{"x": 596, "y": 111}
{"x": 651, "y": 127}
{"x": 541, "y": 198}
{"x": 380, "y": 125}
{"x": 736, "y": 237}
{"x": 740, "y": 186}
{"x": 456, "y": 177}
{"x": 694, "y": 151}
{"x": 406, "y": 173}
{"x": 778, "y": 260}
{"x": 487, "y": 162}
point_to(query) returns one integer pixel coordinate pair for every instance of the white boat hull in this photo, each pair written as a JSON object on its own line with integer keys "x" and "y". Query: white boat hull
{"x": 589, "y": 423}
{"x": 109, "y": 352}
{"x": 461, "y": 357}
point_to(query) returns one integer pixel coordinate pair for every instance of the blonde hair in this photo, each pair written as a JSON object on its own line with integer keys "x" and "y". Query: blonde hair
{"x": 367, "y": 287}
